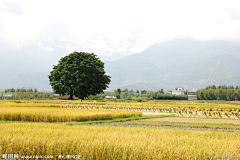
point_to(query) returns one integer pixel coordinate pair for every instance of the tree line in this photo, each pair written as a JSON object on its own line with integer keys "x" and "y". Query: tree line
{"x": 228, "y": 93}
{"x": 32, "y": 95}
{"x": 28, "y": 94}
{"x": 142, "y": 95}
{"x": 125, "y": 94}
{"x": 23, "y": 90}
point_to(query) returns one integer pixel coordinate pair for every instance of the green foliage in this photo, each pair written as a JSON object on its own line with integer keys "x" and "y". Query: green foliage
{"x": 79, "y": 74}
{"x": 125, "y": 95}
{"x": 229, "y": 93}
{"x": 100, "y": 96}
{"x": 161, "y": 91}
{"x": 143, "y": 92}
{"x": 117, "y": 93}
{"x": 32, "y": 95}
{"x": 23, "y": 90}
{"x": 28, "y": 94}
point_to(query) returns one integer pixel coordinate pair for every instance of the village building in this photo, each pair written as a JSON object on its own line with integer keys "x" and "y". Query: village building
{"x": 7, "y": 96}
{"x": 62, "y": 96}
{"x": 178, "y": 91}
{"x": 110, "y": 97}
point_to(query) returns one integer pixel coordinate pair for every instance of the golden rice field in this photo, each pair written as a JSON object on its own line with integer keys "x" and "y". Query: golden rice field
{"x": 183, "y": 105}
{"x": 55, "y": 103}
{"x": 182, "y": 111}
{"x": 186, "y": 109}
{"x": 111, "y": 142}
{"x": 150, "y": 106}
{"x": 13, "y": 104}
{"x": 107, "y": 142}
{"x": 219, "y": 105}
{"x": 48, "y": 114}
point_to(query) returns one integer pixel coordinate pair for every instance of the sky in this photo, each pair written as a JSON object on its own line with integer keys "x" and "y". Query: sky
{"x": 112, "y": 29}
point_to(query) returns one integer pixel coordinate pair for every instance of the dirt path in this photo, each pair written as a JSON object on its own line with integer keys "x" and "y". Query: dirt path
{"x": 196, "y": 120}
{"x": 166, "y": 126}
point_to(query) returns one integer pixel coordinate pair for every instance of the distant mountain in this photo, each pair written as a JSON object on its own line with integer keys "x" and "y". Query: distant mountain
{"x": 177, "y": 63}
{"x": 185, "y": 63}
{"x": 18, "y": 68}
{"x": 30, "y": 80}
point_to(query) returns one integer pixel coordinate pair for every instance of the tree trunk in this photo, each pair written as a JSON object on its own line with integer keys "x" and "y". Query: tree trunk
{"x": 71, "y": 97}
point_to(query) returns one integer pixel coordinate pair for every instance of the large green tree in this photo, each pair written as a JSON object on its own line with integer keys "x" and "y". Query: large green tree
{"x": 79, "y": 74}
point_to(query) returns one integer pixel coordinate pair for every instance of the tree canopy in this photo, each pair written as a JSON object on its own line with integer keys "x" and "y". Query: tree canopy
{"x": 79, "y": 74}
{"x": 219, "y": 93}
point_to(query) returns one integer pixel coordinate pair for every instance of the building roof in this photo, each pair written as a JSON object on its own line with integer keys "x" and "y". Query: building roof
{"x": 65, "y": 96}
{"x": 7, "y": 95}
{"x": 174, "y": 91}
{"x": 110, "y": 97}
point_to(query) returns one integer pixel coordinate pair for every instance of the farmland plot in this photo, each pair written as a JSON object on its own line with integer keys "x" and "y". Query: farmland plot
{"x": 47, "y": 114}
{"x": 107, "y": 142}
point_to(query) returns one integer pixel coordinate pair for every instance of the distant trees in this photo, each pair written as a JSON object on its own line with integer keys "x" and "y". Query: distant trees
{"x": 161, "y": 91}
{"x": 117, "y": 93}
{"x": 143, "y": 92}
{"x": 144, "y": 96}
{"x": 23, "y": 90}
{"x": 158, "y": 95}
{"x": 28, "y": 94}
{"x": 32, "y": 95}
{"x": 223, "y": 92}
{"x": 100, "y": 96}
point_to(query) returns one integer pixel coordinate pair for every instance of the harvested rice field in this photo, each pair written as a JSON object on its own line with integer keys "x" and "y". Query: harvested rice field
{"x": 102, "y": 130}
{"x": 196, "y": 120}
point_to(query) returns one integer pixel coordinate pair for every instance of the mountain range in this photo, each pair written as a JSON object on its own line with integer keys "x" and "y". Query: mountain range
{"x": 177, "y": 63}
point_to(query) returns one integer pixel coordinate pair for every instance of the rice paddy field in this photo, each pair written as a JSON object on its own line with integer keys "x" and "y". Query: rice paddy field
{"x": 41, "y": 114}
{"x": 109, "y": 130}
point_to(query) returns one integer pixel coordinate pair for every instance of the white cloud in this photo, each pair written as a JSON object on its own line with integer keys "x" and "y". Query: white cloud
{"x": 71, "y": 49}
{"x": 11, "y": 8}
{"x": 45, "y": 48}
{"x": 111, "y": 28}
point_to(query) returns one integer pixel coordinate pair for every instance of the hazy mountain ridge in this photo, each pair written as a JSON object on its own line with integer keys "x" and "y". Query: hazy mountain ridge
{"x": 30, "y": 80}
{"x": 185, "y": 63}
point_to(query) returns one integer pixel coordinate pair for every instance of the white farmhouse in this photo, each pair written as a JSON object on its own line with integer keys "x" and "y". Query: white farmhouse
{"x": 7, "y": 96}
{"x": 179, "y": 91}
{"x": 110, "y": 97}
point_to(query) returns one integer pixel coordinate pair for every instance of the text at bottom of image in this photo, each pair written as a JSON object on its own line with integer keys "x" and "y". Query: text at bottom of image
{"x": 17, "y": 156}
